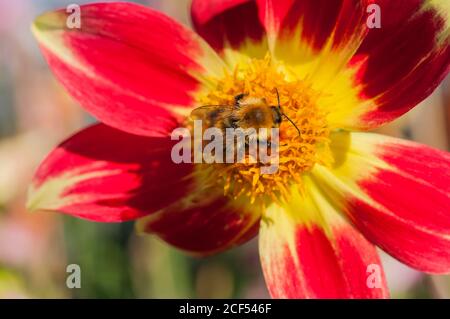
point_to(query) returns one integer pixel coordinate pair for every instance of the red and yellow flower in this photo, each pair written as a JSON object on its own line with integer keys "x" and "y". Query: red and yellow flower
{"x": 339, "y": 191}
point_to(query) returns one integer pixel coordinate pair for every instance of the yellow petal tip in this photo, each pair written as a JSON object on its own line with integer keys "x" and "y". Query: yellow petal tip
{"x": 49, "y": 21}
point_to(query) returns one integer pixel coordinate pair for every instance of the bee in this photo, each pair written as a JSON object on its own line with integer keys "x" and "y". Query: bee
{"x": 246, "y": 112}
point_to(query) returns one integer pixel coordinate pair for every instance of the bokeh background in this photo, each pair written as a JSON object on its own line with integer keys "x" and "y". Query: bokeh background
{"x": 35, "y": 249}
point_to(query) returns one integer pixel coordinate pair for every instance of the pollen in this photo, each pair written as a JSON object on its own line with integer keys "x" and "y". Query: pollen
{"x": 298, "y": 153}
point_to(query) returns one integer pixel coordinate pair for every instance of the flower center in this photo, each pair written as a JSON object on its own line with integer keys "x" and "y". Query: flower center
{"x": 298, "y": 151}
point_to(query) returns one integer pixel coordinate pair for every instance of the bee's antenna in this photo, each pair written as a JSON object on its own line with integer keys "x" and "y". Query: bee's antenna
{"x": 278, "y": 98}
{"x": 279, "y": 106}
{"x": 292, "y": 122}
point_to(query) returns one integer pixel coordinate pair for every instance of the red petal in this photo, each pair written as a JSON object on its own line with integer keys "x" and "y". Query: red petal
{"x": 272, "y": 13}
{"x": 367, "y": 76}
{"x": 128, "y": 65}
{"x": 204, "y": 226}
{"x": 106, "y": 175}
{"x": 320, "y": 21}
{"x": 229, "y": 22}
{"x": 317, "y": 39}
{"x": 397, "y": 193}
{"x": 402, "y": 63}
{"x": 322, "y": 257}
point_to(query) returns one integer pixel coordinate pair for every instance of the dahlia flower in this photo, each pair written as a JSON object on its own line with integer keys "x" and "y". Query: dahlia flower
{"x": 339, "y": 191}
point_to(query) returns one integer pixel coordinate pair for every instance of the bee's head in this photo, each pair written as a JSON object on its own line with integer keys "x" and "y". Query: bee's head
{"x": 276, "y": 115}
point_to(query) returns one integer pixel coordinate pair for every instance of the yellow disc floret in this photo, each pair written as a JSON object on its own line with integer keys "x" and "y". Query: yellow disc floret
{"x": 297, "y": 153}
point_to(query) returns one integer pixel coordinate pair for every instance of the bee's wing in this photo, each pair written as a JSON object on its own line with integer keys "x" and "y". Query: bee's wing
{"x": 203, "y": 111}
{"x": 212, "y": 114}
